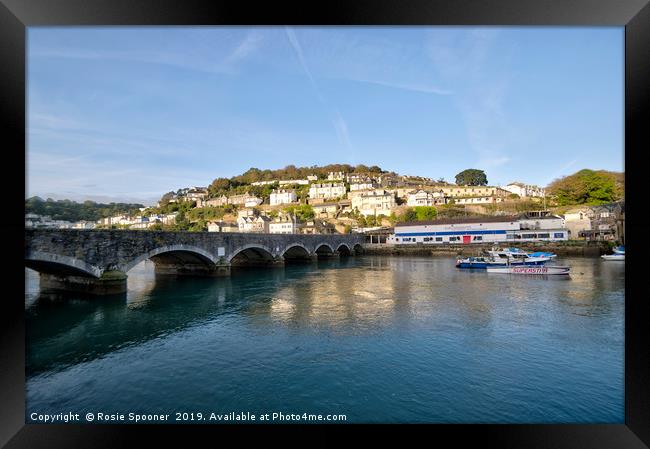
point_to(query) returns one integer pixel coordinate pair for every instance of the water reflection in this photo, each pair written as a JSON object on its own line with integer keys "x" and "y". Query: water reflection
{"x": 417, "y": 322}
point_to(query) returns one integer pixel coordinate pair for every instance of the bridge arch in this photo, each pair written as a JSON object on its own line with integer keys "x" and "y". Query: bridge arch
{"x": 358, "y": 249}
{"x": 296, "y": 252}
{"x": 323, "y": 248}
{"x": 252, "y": 252}
{"x": 48, "y": 263}
{"x": 199, "y": 255}
{"x": 344, "y": 249}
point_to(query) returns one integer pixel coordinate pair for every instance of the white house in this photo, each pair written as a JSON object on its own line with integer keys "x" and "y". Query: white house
{"x": 285, "y": 224}
{"x": 374, "y": 202}
{"x": 283, "y": 197}
{"x": 525, "y": 190}
{"x": 327, "y": 191}
{"x": 424, "y": 198}
{"x": 364, "y": 185}
{"x": 253, "y": 224}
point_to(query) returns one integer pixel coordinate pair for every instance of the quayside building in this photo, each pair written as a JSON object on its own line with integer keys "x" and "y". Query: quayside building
{"x": 508, "y": 229}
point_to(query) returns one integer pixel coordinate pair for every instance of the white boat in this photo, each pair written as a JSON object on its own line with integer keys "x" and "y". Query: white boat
{"x": 538, "y": 269}
{"x": 616, "y": 256}
{"x": 501, "y": 257}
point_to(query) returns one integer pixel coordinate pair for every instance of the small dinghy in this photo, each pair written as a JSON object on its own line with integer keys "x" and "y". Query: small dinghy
{"x": 538, "y": 269}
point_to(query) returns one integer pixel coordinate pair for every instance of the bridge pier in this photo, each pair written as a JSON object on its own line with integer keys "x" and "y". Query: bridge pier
{"x": 110, "y": 283}
{"x": 334, "y": 255}
{"x": 187, "y": 269}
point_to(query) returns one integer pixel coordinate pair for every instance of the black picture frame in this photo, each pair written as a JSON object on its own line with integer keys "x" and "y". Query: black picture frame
{"x": 16, "y": 15}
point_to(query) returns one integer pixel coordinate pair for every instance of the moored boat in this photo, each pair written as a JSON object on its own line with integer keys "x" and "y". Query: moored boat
{"x": 616, "y": 256}
{"x": 543, "y": 270}
{"x": 619, "y": 249}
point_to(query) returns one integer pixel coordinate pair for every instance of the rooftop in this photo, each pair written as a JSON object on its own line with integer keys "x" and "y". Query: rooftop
{"x": 464, "y": 220}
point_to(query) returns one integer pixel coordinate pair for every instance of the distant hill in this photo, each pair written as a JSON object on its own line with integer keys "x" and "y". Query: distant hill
{"x": 73, "y": 211}
{"x": 293, "y": 172}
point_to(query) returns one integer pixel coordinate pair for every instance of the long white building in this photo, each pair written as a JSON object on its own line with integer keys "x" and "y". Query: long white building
{"x": 472, "y": 230}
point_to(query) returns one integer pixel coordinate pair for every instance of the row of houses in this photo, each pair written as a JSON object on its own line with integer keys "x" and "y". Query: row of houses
{"x": 252, "y": 221}
{"x": 46, "y": 222}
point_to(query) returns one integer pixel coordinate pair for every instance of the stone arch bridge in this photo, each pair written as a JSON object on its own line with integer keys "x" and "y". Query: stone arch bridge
{"x": 97, "y": 262}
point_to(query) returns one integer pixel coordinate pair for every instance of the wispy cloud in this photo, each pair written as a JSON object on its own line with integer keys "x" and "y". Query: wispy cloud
{"x": 340, "y": 126}
{"x": 467, "y": 61}
{"x": 403, "y": 86}
{"x": 251, "y": 43}
{"x": 204, "y": 56}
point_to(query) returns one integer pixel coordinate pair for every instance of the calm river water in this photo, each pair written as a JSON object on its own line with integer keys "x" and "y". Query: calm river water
{"x": 379, "y": 339}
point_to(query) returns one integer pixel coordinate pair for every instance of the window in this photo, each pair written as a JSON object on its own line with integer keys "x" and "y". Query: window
{"x": 438, "y": 239}
{"x": 478, "y": 237}
{"x": 529, "y": 236}
{"x": 543, "y": 236}
{"x": 558, "y": 235}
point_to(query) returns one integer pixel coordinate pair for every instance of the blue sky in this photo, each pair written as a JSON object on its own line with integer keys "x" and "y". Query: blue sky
{"x": 129, "y": 113}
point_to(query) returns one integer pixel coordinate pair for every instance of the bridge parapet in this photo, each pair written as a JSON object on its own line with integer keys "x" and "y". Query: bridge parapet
{"x": 103, "y": 257}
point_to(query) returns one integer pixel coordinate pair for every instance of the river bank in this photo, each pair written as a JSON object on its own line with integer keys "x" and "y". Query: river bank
{"x": 569, "y": 248}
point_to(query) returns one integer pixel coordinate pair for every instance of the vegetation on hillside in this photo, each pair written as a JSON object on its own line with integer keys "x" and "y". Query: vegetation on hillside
{"x": 589, "y": 187}
{"x": 72, "y": 211}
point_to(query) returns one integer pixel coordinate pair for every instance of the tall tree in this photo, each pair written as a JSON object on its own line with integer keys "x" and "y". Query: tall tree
{"x": 471, "y": 177}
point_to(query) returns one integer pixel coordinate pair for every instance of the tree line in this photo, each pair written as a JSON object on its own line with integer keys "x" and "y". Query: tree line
{"x": 72, "y": 211}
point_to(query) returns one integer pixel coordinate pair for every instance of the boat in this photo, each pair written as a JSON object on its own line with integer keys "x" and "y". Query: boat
{"x": 619, "y": 254}
{"x": 543, "y": 270}
{"x": 543, "y": 254}
{"x": 615, "y": 256}
{"x": 519, "y": 252}
{"x": 475, "y": 262}
{"x": 516, "y": 257}
{"x": 500, "y": 260}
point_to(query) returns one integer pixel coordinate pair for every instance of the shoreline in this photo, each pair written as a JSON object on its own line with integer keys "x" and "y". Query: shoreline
{"x": 586, "y": 249}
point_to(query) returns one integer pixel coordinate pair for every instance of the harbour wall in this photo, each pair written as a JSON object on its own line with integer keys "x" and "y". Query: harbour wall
{"x": 568, "y": 248}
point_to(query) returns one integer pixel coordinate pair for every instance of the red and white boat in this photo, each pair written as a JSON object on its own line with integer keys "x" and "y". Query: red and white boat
{"x": 536, "y": 269}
